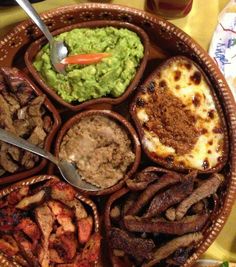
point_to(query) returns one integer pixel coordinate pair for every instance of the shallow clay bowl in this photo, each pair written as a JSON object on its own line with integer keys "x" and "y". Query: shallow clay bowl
{"x": 39, "y": 179}
{"x": 36, "y": 46}
{"x": 117, "y": 198}
{"x": 139, "y": 102}
{"x": 51, "y": 110}
{"x": 121, "y": 121}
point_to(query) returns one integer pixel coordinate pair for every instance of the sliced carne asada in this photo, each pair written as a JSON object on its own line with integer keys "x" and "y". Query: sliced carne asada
{"x": 141, "y": 180}
{"x": 164, "y": 181}
{"x": 139, "y": 248}
{"x": 171, "y": 196}
{"x": 170, "y": 247}
{"x": 187, "y": 225}
{"x": 206, "y": 189}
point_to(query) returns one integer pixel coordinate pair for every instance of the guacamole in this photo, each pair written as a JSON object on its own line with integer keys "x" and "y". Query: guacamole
{"x": 110, "y": 77}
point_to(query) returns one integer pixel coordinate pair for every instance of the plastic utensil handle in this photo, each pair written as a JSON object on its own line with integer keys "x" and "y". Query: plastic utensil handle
{"x": 20, "y": 142}
{"x": 32, "y": 13}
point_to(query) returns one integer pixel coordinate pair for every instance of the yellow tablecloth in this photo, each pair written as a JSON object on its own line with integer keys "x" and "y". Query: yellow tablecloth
{"x": 199, "y": 24}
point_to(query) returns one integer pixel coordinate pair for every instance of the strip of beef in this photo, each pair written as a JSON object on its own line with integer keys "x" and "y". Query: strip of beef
{"x": 171, "y": 196}
{"x": 45, "y": 221}
{"x": 164, "y": 181}
{"x": 141, "y": 180}
{"x": 187, "y": 225}
{"x": 180, "y": 256}
{"x": 128, "y": 203}
{"x": 170, "y": 247}
{"x": 139, "y": 248}
{"x": 206, "y": 189}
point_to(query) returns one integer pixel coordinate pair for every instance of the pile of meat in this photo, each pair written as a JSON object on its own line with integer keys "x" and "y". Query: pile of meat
{"x": 22, "y": 113}
{"x": 161, "y": 217}
{"x": 46, "y": 226}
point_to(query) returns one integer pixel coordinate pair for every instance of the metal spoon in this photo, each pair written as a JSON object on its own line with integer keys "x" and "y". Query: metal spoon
{"x": 58, "y": 50}
{"x": 67, "y": 169}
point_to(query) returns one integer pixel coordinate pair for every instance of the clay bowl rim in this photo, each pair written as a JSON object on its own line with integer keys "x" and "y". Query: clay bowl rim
{"x": 36, "y": 46}
{"x": 139, "y": 127}
{"x": 125, "y": 190}
{"x": 124, "y": 123}
{"x": 49, "y": 138}
{"x": 40, "y": 178}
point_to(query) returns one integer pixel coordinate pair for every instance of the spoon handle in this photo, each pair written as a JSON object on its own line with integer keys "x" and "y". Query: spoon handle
{"x": 32, "y": 13}
{"x": 20, "y": 142}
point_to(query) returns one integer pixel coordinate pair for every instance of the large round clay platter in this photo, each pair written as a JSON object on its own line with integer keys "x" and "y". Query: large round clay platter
{"x": 166, "y": 40}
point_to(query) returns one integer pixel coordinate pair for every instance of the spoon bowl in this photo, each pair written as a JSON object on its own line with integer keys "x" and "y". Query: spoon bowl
{"x": 67, "y": 169}
{"x": 58, "y": 50}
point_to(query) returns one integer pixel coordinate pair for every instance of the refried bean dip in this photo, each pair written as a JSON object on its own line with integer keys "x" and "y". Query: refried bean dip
{"x": 100, "y": 148}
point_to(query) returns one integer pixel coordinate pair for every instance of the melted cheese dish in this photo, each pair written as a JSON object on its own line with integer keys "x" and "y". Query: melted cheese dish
{"x": 194, "y": 137}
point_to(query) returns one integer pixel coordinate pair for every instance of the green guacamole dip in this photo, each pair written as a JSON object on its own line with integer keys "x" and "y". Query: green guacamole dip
{"x": 110, "y": 77}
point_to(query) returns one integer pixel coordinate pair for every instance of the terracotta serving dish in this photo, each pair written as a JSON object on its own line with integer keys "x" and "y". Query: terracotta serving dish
{"x": 37, "y": 45}
{"x": 157, "y": 82}
{"x": 124, "y": 123}
{"x": 166, "y": 40}
{"x": 39, "y": 180}
{"x": 128, "y": 210}
{"x": 54, "y": 115}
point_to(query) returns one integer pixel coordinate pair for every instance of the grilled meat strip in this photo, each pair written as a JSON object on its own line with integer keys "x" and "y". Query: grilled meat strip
{"x": 171, "y": 196}
{"x": 187, "y": 225}
{"x": 139, "y": 248}
{"x": 170, "y": 247}
{"x": 206, "y": 189}
{"x": 141, "y": 180}
{"x": 164, "y": 181}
